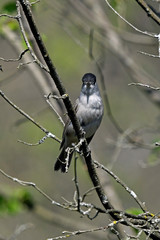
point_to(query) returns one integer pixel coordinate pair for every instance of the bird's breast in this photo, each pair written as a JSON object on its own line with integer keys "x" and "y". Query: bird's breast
{"x": 90, "y": 114}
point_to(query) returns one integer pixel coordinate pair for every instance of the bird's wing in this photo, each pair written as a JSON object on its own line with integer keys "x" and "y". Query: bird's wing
{"x": 68, "y": 121}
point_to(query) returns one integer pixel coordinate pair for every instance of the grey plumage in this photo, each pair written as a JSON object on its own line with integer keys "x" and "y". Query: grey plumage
{"x": 89, "y": 111}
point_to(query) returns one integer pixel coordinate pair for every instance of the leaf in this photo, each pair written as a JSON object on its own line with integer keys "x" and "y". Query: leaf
{"x": 13, "y": 25}
{"x": 134, "y": 211}
{"x": 16, "y": 202}
{"x": 25, "y": 198}
{"x": 13, "y": 206}
{"x": 9, "y": 7}
{"x": 114, "y": 3}
{"x": 9, "y": 205}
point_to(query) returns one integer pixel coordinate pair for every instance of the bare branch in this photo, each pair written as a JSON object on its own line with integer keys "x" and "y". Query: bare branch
{"x": 131, "y": 192}
{"x": 93, "y": 175}
{"x": 148, "y": 10}
{"x": 30, "y": 184}
{"x": 17, "y": 59}
{"x": 77, "y": 185}
{"x": 42, "y": 140}
{"x": 144, "y": 85}
{"x": 53, "y": 108}
{"x": 9, "y": 16}
{"x": 25, "y": 63}
{"x": 37, "y": 1}
{"x": 131, "y": 25}
{"x": 49, "y": 134}
{"x": 107, "y": 103}
{"x": 52, "y": 69}
{"x": 149, "y": 55}
{"x": 26, "y": 39}
{"x": 79, "y": 232}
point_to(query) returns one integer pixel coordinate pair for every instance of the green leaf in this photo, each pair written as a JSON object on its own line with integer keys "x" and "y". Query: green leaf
{"x": 134, "y": 211}
{"x": 16, "y": 202}
{"x": 14, "y": 206}
{"x": 13, "y": 25}
{"x": 9, "y": 205}
{"x": 9, "y": 7}
{"x": 113, "y": 3}
{"x": 25, "y": 198}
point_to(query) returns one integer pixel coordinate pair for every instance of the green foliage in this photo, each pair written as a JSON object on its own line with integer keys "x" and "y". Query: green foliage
{"x": 9, "y": 205}
{"x": 13, "y": 25}
{"x": 16, "y": 202}
{"x": 134, "y": 211}
{"x": 114, "y": 3}
{"x": 25, "y": 198}
{"x": 9, "y": 7}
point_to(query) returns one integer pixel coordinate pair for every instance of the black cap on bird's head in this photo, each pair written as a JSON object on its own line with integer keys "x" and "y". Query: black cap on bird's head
{"x": 89, "y": 85}
{"x": 89, "y": 78}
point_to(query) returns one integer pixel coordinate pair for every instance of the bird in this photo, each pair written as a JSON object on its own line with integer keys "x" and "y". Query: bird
{"x": 89, "y": 111}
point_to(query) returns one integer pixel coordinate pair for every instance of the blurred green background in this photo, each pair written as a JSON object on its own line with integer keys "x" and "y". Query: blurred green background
{"x": 65, "y": 31}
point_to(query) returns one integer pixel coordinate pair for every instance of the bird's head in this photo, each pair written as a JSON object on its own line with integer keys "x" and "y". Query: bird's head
{"x": 89, "y": 83}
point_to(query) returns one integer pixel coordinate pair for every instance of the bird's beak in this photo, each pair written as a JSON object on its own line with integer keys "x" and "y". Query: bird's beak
{"x": 88, "y": 84}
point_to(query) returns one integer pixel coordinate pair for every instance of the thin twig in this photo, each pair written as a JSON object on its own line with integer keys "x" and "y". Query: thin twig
{"x": 149, "y": 54}
{"x": 17, "y": 59}
{"x": 131, "y": 192}
{"x": 9, "y": 16}
{"x": 79, "y": 232}
{"x": 106, "y": 99}
{"x": 49, "y": 134}
{"x": 76, "y": 184}
{"x": 149, "y": 11}
{"x": 37, "y": 1}
{"x": 26, "y": 39}
{"x": 144, "y": 85}
{"x": 68, "y": 206}
{"x": 131, "y": 25}
{"x": 42, "y": 140}
{"x": 87, "y": 193}
{"x": 53, "y": 108}
{"x": 30, "y": 184}
{"x": 102, "y": 81}
{"x": 79, "y": 133}
{"x": 25, "y": 63}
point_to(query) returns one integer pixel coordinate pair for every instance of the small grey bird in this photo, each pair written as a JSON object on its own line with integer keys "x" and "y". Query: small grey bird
{"x": 89, "y": 111}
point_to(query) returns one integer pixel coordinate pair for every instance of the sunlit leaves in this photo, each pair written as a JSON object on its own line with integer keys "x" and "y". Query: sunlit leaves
{"x": 134, "y": 211}
{"x": 16, "y": 202}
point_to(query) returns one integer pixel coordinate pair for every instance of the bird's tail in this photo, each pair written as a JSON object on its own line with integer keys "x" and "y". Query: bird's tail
{"x": 63, "y": 161}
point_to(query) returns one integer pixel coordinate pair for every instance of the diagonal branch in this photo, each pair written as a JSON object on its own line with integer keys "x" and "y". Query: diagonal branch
{"x": 149, "y": 11}
{"x": 68, "y": 105}
{"x": 48, "y": 134}
{"x": 51, "y": 67}
{"x": 16, "y": 59}
{"x": 143, "y": 224}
